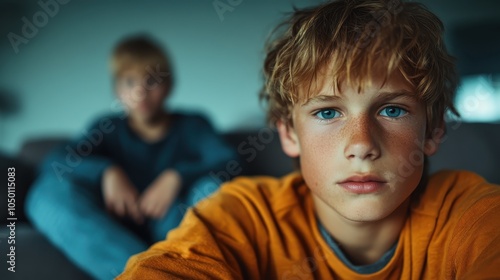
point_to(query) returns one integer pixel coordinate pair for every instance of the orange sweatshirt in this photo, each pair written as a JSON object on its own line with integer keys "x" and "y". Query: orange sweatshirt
{"x": 265, "y": 228}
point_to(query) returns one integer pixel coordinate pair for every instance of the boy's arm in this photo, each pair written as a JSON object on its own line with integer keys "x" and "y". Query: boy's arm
{"x": 477, "y": 241}
{"x": 83, "y": 159}
{"x": 212, "y": 153}
{"x": 214, "y": 241}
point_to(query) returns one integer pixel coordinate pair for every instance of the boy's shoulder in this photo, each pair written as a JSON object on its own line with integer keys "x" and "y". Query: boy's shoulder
{"x": 455, "y": 194}
{"x": 261, "y": 195}
{"x": 279, "y": 192}
{"x": 456, "y": 221}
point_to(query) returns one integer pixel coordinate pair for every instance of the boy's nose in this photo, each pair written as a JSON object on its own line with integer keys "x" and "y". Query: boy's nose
{"x": 362, "y": 140}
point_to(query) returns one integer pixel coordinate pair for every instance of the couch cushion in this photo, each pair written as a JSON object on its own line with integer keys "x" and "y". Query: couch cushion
{"x": 36, "y": 258}
{"x": 34, "y": 150}
{"x": 260, "y": 153}
{"x": 470, "y": 146}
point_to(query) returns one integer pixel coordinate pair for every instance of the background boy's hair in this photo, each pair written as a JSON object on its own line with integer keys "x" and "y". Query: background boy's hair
{"x": 140, "y": 53}
{"x": 359, "y": 37}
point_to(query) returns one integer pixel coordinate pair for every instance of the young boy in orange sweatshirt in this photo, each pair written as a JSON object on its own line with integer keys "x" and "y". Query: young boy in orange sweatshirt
{"x": 356, "y": 88}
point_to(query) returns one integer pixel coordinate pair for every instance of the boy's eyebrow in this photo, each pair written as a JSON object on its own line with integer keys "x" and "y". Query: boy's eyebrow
{"x": 402, "y": 93}
{"x": 381, "y": 96}
{"x": 321, "y": 98}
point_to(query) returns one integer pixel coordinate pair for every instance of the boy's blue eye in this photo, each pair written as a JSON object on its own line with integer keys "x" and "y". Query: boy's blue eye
{"x": 393, "y": 112}
{"x": 327, "y": 114}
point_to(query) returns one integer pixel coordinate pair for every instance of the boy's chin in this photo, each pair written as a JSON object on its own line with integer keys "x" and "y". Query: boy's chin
{"x": 145, "y": 117}
{"x": 370, "y": 211}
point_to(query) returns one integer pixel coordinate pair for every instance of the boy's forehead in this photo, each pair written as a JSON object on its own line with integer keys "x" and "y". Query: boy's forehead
{"x": 325, "y": 86}
{"x": 385, "y": 95}
{"x": 134, "y": 71}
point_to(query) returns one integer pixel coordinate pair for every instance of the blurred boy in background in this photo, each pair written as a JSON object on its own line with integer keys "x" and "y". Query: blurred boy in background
{"x": 127, "y": 181}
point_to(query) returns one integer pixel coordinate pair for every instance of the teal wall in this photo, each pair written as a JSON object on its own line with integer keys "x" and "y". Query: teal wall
{"x": 61, "y": 81}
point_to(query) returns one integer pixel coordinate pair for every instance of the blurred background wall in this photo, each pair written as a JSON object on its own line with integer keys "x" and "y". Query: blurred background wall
{"x": 56, "y": 79}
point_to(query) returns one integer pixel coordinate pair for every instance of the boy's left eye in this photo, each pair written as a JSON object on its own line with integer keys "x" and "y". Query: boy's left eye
{"x": 393, "y": 112}
{"x": 327, "y": 114}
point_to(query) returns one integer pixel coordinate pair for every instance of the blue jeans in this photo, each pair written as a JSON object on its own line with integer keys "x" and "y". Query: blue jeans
{"x": 74, "y": 219}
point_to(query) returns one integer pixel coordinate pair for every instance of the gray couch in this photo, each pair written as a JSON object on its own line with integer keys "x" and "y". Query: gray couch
{"x": 474, "y": 147}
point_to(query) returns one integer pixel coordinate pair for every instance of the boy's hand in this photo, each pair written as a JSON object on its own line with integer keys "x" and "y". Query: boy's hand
{"x": 120, "y": 196}
{"x": 157, "y": 198}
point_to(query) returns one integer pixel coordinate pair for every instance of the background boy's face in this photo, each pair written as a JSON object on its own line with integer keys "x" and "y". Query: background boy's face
{"x": 142, "y": 94}
{"x": 377, "y": 135}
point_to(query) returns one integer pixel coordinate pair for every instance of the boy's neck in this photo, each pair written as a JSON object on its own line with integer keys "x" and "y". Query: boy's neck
{"x": 362, "y": 242}
{"x": 150, "y": 130}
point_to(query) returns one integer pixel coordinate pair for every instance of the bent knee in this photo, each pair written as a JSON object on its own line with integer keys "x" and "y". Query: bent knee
{"x": 48, "y": 199}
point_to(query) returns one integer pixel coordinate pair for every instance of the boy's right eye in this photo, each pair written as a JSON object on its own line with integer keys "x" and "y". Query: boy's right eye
{"x": 327, "y": 114}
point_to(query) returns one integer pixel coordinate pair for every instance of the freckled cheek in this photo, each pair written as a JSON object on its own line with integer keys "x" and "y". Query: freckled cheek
{"x": 406, "y": 139}
{"x": 319, "y": 156}
{"x": 404, "y": 155}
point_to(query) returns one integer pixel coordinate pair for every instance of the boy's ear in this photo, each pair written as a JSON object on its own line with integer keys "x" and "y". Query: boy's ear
{"x": 288, "y": 138}
{"x": 433, "y": 140}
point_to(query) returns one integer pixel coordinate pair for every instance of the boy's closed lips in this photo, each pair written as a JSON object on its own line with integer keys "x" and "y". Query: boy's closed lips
{"x": 363, "y": 184}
